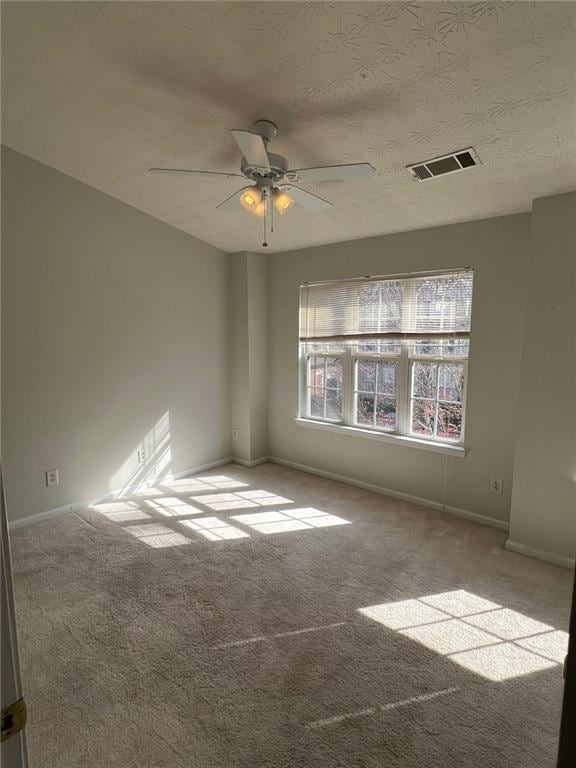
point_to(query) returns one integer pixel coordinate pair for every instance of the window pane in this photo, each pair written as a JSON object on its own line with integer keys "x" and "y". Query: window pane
{"x": 334, "y": 372}
{"x": 366, "y": 372}
{"x": 455, "y": 347}
{"x": 449, "y": 420}
{"x": 423, "y": 413}
{"x": 316, "y": 372}
{"x": 451, "y": 381}
{"x": 376, "y": 346}
{"x": 328, "y": 347}
{"x": 426, "y": 347}
{"x": 365, "y": 409}
{"x": 334, "y": 404}
{"x": 438, "y": 347}
{"x": 385, "y": 412}
{"x": 424, "y": 379}
{"x": 317, "y": 403}
{"x": 387, "y": 378}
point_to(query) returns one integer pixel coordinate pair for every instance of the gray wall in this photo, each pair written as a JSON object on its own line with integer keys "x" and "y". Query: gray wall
{"x": 239, "y": 388}
{"x": 249, "y": 340}
{"x": 121, "y": 333}
{"x": 258, "y": 348}
{"x": 115, "y": 337}
{"x": 496, "y": 249}
{"x": 543, "y": 515}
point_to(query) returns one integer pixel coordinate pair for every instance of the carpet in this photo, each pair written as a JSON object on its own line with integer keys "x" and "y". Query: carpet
{"x": 266, "y": 618}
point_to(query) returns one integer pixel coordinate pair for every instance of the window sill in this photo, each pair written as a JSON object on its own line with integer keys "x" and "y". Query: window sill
{"x": 408, "y": 442}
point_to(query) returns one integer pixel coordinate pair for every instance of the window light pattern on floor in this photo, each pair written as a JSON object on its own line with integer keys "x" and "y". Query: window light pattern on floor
{"x": 213, "y": 529}
{"x": 221, "y": 502}
{"x": 289, "y": 520}
{"x": 477, "y": 634}
{"x": 172, "y": 507}
{"x": 122, "y": 511}
{"x": 157, "y": 536}
{"x": 177, "y": 512}
{"x": 191, "y": 484}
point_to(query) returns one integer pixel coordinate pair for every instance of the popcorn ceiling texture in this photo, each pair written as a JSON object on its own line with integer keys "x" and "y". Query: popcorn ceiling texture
{"x": 101, "y": 91}
{"x": 167, "y": 648}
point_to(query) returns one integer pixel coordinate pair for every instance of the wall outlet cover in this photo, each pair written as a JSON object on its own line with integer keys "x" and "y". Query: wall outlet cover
{"x": 52, "y": 477}
{"x": 234, "y": 434}
{"x": 496, "y": 485}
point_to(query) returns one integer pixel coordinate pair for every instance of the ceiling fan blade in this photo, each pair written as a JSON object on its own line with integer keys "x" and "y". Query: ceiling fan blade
{"x": 232, "y": 201}
{"x": 307, "y": 199}
{"x": 184, "y": 171}
{"x": 252, "y": 147}
{"x": 336, "y": 172}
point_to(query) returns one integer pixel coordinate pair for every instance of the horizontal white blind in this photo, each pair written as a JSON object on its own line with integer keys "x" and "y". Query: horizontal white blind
{"x": 405, "y": 307}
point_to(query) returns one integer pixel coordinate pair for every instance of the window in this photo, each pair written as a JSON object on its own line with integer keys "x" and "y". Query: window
{"x": 375, "y": 393}
{"x": 324, "y": 382}
{"x": 387, "y": 354}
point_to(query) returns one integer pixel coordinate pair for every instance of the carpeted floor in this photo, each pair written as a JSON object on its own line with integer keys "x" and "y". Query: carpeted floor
{"x": 267, "y": 618}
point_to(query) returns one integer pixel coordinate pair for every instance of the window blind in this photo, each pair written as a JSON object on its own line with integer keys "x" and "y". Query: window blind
{"x": 418, "y": 306}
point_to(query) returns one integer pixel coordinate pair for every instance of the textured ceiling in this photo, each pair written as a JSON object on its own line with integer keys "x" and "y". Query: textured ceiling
{"x": 101, "y": 91}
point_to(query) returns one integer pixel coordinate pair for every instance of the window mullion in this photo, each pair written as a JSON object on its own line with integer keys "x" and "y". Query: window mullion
{"x": 403, "y": 393}
{"x": 348, "y": 388}
{"x": 437, "y": 404}
{"x": 325, "y": 380}
{"x": 463, "y": 401}
{"x": 304, "y": 376}
{"x": 375, "y": 392}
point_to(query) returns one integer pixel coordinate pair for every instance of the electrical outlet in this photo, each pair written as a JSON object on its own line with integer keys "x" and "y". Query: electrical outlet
{"x": 234, "y": 434}
{"x": 52, "y": 477}
{"x": 496, "y": 485}
{"x": 141, "y": 456}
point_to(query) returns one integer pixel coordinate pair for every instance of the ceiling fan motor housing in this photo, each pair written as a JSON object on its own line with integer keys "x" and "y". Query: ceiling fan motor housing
{"x": 266, "y": 176}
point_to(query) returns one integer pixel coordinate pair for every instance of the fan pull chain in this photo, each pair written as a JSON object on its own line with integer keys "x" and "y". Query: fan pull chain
{"x": 265, "y": 244}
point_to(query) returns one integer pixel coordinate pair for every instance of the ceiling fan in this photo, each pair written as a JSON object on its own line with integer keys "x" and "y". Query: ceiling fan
{"x": 273, "y": 186}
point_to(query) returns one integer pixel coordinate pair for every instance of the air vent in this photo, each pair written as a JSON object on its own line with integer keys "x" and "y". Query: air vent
{"x": 440, "y": 166}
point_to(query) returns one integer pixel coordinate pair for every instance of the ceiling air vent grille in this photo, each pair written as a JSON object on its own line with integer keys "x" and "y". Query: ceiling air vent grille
{"x": 440, "y": 166}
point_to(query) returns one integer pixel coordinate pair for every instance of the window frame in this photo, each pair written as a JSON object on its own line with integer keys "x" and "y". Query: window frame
{"x": 374, "y": 358}
{"x": 440, "y": 361}
{"x": 405, "y": 362}
{"x": 307, "y": 387}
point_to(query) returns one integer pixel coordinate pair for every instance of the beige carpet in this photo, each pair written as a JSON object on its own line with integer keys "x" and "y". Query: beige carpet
{"x": 269, "y": 618}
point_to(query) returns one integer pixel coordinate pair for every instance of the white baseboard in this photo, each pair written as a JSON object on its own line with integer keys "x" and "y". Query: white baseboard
{"x": 39, "y": 517}
{"x": 436, "y": 505}
{"x": 539, "y": 554}
{"x": 475, "y": 517}
{"x": 110, "y": 496}
{"x": 250, "y": 462}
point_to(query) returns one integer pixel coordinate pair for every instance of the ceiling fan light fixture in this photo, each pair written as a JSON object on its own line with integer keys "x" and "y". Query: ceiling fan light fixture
{"x": 251, "y": 199}
{"x": 271, "y": 183}
{"x": 260, "y": 209}
{"x": 282, "y": 201}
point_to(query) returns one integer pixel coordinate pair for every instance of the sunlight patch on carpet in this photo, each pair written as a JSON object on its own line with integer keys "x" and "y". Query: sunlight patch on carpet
{"x": 477, "y": 634}
{"x": 290, "y": 520}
